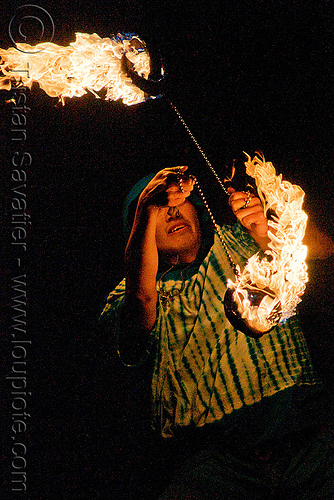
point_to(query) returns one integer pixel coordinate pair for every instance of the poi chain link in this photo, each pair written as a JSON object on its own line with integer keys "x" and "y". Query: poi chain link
{"x": 199, "y": 149}
{"x": 217, "y": 228}
{"x": 179, "y": 176}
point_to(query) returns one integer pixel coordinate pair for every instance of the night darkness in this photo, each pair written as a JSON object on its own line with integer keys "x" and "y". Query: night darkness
{"x": 245, "y": 76}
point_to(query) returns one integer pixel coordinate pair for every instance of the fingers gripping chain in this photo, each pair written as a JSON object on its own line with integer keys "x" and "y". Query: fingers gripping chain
{"x": 179, "y": 179}
{"x": 247, "y": 200}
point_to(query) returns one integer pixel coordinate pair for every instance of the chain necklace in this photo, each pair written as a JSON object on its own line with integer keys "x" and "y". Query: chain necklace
{"x": 166, "y": 296}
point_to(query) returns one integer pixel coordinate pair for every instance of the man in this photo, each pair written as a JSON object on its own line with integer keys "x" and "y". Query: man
{"x": 250, "y": 405}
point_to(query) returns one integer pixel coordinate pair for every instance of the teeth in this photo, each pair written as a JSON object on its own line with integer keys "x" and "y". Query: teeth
{"x": 177, "y": 228}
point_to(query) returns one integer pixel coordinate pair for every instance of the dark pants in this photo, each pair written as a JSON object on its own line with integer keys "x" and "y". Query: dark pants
{"x": 298, "y": 467}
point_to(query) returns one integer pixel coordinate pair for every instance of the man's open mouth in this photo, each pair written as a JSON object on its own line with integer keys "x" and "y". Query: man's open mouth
{"x": 177, "y": 228}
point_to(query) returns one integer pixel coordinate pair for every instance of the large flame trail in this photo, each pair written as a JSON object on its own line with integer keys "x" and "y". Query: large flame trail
{"x": 269, "y": 289}
{"x": 90, "y": 63}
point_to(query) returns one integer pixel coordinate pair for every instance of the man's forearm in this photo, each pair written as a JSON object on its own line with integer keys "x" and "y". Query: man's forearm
{"x": 141, "y": 263}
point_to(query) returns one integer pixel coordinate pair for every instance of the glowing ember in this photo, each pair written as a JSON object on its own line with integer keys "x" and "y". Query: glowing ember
{"x": 90, "y": 63}
{"x": 269, "y": 289}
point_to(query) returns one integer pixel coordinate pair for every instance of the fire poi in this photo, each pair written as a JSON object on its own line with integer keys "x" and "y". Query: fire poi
{"x": 268, "y": 290}
{"x": 90, "y": 64}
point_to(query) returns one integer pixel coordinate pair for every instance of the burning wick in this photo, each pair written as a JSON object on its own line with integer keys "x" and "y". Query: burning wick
{"x": 269, "y": 289}
{"x": 90, "y": 63}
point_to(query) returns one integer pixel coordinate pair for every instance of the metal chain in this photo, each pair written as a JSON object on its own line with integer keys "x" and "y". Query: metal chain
{"x": 179, "y": 179}
{"x": 199, "y": 148}
{"x": 217, "y": 228}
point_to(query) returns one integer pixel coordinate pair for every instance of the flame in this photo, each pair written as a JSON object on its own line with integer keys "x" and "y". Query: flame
{"x": 269, "y": 289}
{"x": 90, "y": 63}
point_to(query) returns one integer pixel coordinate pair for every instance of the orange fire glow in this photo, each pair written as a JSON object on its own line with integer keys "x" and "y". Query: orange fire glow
{"x": 281, "y": 275}
{"x": 90, "y": 63}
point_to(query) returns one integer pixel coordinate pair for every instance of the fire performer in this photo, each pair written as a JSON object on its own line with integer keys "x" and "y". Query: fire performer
{"x": 247, "y": 410}
{"x": 247, "y": 414}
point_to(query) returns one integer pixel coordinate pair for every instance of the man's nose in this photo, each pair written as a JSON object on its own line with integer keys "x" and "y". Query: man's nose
{"x": 173, "y": 213}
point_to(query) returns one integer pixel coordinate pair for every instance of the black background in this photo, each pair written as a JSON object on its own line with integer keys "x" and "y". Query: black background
{"x": 245, "y": 76}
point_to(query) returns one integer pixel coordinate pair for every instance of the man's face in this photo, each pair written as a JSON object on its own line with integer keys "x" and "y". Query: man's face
{"x": 178, "y": 235}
